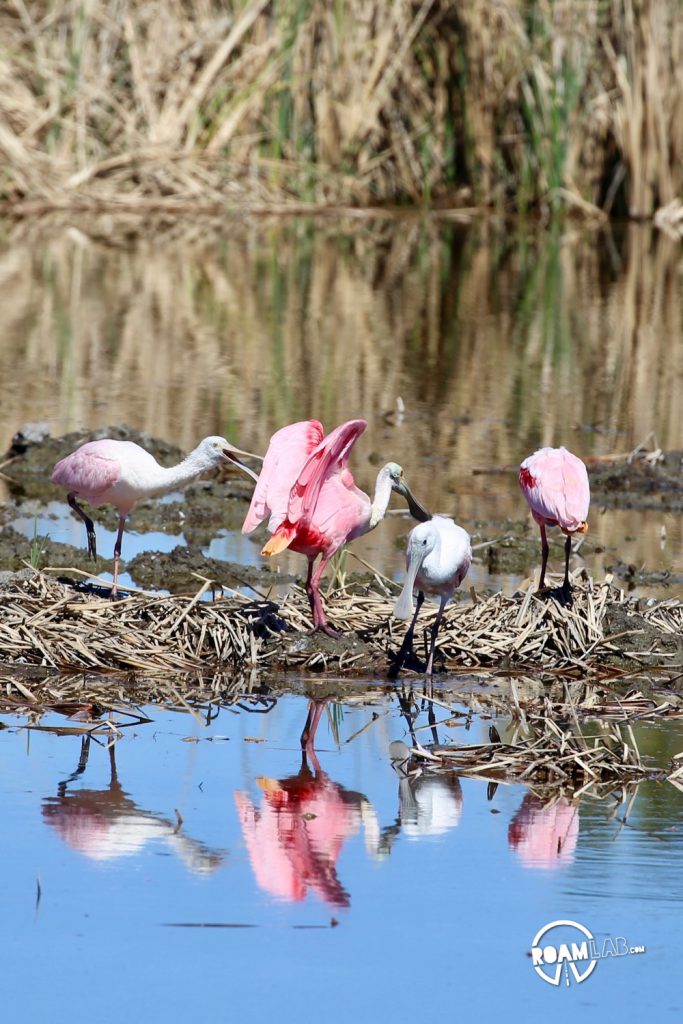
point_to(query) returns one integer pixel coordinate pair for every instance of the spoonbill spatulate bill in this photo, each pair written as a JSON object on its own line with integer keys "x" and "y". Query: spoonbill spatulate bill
{"x": 438, "y": 557}
{"x": 555, "y": 485}
{"x": 309, "y": 496}
{"x": 120, "y": 473}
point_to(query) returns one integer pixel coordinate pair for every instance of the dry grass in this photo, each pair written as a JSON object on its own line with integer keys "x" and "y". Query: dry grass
{"x": 46, "y": 623}
{"x": 545, "y": 754}
{"x": 360, "y": 102}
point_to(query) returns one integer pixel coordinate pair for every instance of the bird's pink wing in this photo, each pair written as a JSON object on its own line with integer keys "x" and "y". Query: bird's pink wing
{"x": 330, "y": 456}
{"x": 555, "y": 484}
{"x": 287, "y": 453}
{"x": 90, "y": 470}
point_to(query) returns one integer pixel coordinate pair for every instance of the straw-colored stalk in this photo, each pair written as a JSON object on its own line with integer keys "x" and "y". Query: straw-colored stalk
{"x": 360, "y": 102}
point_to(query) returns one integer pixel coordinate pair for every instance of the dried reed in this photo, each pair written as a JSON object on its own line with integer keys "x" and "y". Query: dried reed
{"x": 361, "y": 102}
{"x": 44, "y": 622}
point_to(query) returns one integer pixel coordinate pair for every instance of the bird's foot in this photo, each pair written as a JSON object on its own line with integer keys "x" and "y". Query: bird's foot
{"x": 327, "y": 629}
{"x": 405, "y": 659}
{"x": 563, "y": 594}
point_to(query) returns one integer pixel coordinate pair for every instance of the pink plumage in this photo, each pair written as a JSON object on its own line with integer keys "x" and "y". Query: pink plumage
{"x": 555, "y": 485}
{"x": 94, "y": 470}
{"x": 121, "y": 472}
{"x": 288, "y": 450}
{"x": 309, "y": 494}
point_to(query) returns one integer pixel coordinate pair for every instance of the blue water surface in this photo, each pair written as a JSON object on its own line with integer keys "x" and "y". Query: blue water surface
{"x": 215, "y": 872}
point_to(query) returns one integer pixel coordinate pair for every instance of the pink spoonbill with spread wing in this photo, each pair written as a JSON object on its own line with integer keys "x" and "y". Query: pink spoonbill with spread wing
{"x": 314, "y": 507}
{"x": 555, "y": 485}
{"x": 437, "y": 560}
{"x": 119, "y": 473}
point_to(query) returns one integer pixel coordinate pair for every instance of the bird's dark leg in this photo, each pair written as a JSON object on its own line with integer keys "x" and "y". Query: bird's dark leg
{"x": 435, "y": 630}
{"x": 82, "y": 765}
{"x": 566, "y": 589}
{"x": 544, "y": 553}
{"x": 92, "y": 545}
{"x": 117, "y": 555}
{"x": 320, "y": 622}
{"x": 407, "y": 645}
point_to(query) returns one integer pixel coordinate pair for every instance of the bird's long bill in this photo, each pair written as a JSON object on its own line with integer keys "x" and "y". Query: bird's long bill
{"x": 403, "y": 608}
{"x": 417, "y": 510}
{"x": 231, "y": 455}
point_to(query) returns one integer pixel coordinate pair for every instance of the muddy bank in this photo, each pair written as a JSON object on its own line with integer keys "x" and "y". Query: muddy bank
{"x": 646, "y": 481}
{"x": 177, "y": 570}
{"x": 218, "y": 503}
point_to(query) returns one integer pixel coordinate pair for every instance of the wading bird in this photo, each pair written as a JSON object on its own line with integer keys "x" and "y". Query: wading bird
{"x": 437, "y": 560}
{"x": 307, "y": 490}
{"x": 555, "y": 485}
{"x": 119, "y": 473}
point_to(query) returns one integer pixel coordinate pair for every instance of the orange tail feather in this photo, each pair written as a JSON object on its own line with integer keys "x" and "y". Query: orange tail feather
{"x": 277, "y": 543}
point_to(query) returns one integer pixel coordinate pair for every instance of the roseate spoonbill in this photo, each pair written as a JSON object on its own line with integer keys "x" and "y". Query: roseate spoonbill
{"x": 296, "y": 834}
{"x": 119, "y": 473}
{"x": 438, "y": 557}
{"x": 315, "y": 508}
{"x": 555, "y": 485}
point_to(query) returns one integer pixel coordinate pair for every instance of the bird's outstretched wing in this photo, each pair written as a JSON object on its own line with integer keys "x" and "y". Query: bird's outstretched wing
{"x": 288, "y": 450}
{"x": 330, "y": 456}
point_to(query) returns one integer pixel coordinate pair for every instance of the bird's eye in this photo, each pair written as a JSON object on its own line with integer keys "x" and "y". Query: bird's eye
{"x": 424, "y": 543}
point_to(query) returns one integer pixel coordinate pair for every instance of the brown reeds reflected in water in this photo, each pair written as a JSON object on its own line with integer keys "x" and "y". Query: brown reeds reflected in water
{"x": 496, "y": 340}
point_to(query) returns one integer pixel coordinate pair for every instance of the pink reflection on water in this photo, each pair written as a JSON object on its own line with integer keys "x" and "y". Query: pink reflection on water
{"x": 295, "y": 835}
{"x": 544, "y": 834}
{"x": 104, "y": 824}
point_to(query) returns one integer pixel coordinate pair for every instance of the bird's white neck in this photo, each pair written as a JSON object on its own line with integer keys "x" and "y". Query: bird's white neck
{"x": 176, "y": 477}
{"x": 381, "y": 499}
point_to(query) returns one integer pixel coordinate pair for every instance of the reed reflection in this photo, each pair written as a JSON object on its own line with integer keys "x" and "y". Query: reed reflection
{"x": 496, "y": 343}
{"x": 104, "y": 824}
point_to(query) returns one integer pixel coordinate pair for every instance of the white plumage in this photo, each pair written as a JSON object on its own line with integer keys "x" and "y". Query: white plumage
{"x": 438, "y": 557}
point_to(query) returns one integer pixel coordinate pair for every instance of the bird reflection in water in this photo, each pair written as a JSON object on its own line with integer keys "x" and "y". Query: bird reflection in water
{"x": 104, "y": 824}
{"x": 429, "y": 804}
{"x": 543, "y": 834}
{"x": 296, "y": 834}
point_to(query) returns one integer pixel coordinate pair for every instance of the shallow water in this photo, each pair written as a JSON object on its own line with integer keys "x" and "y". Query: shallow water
{"x": 497, "y": 338}
{"x": 213, "y": 874}
{"x": 211, "y": 870}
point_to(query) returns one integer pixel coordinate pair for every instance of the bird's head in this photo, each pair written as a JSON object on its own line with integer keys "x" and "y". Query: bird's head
{"x": 421, "y": 541}
{"x": 394, "y": 473}
{"x": 216, "y": 451}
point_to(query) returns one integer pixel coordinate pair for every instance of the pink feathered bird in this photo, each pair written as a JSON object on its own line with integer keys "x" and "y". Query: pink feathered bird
{"x": 555, "y": 485}
{"x": 309, "y": 495}
{"x": 119, "y": 473}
